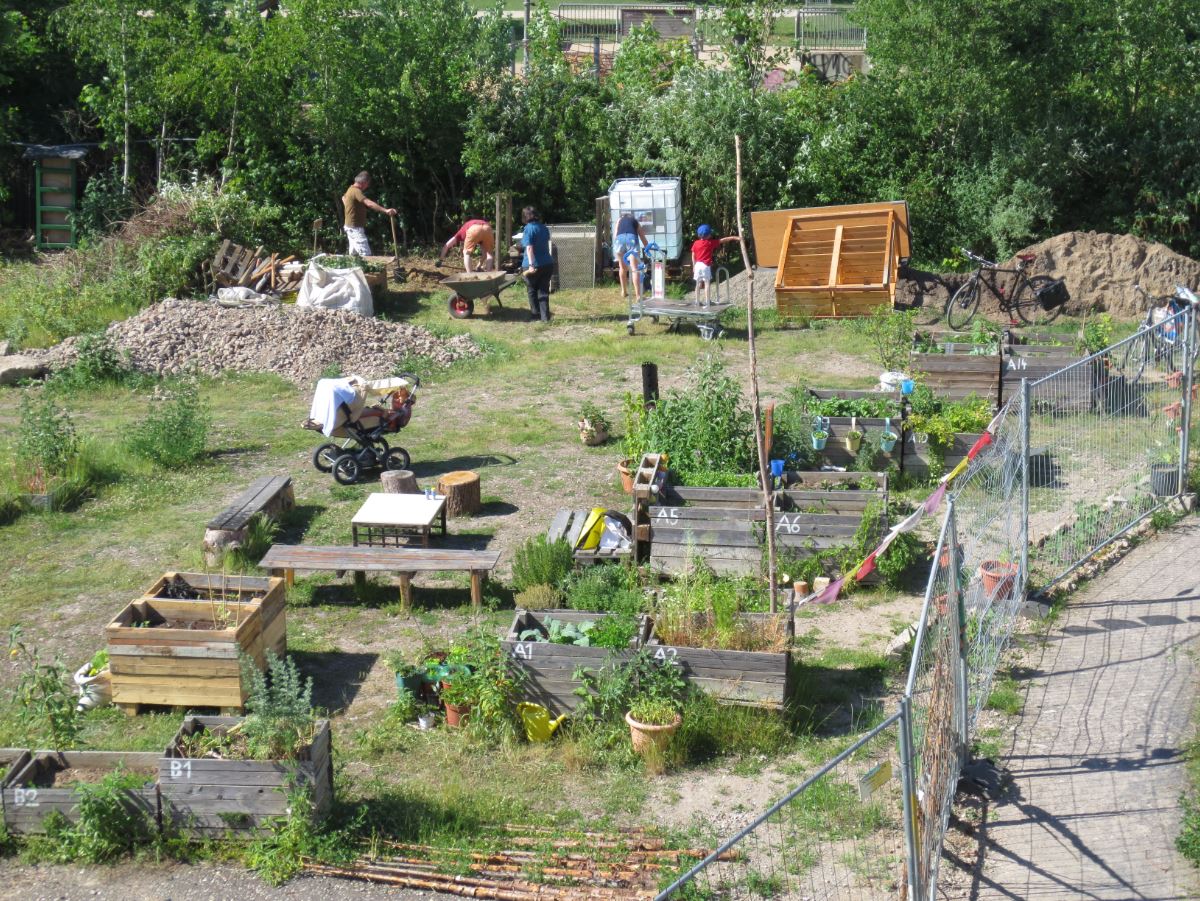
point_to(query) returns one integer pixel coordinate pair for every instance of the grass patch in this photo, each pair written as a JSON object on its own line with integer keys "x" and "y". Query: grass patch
{"x": 1006, "y": 697}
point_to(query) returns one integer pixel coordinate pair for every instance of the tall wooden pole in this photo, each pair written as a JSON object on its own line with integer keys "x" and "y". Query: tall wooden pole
{"x": 764, "y": 466}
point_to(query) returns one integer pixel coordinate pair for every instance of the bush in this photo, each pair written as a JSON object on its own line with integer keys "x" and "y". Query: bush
{"x": 175, "y": 430}
{"x": 97, "y": 363}
{"x": 612, "y": 589}
{"x": 541, "y": 562}
{"x": 890, "y": 333}
{"x": 46, "y": 438}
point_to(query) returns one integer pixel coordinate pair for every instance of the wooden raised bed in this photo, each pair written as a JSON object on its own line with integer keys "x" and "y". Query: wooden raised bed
{"x": 751, "y": 678}
{"x": 172, "y": 652}
{"x": 839, "y": 261}
{"x": 1033, "y": 362}
{"x": 11, "y": 761}
{"x": 210, "y": 796}
{"x": 836, "y": 453}
{"x": 27, "y": 803}
{"x": 549, "y": 668}
{"x": 959, "y": 376}
{"x": 918, "y": 458}
{"x": 725, "y": 526}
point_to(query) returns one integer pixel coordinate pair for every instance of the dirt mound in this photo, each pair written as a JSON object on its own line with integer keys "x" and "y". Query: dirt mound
{"x": 177, "y": 336}
{"x": 1101, "y": 269}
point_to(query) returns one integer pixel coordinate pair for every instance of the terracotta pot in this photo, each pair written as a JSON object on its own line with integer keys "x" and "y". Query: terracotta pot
{"x": 645, "y": 736}
{"x": 998, "y": 578}
{"x": 456, "y": 714}
{"x": 626, "y": 476}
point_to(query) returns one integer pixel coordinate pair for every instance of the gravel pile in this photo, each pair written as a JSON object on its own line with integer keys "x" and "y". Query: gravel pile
{"x": 177, "y": 336}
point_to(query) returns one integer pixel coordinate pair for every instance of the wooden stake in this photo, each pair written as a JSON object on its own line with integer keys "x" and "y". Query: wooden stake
{"x": 755, "y": 407}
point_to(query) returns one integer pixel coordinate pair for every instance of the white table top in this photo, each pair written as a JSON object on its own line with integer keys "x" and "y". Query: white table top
{"x": 414, "y": 510}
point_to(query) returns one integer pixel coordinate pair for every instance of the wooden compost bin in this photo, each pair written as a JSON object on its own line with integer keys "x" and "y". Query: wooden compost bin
{"x": 834, "y": 261}
{"x": 550, "y": 668}
{"x": 209, "y": 796}
{"x": 750, "y": 678}
{"x": 26, "y": 804}
{"x": 167, "y": 660}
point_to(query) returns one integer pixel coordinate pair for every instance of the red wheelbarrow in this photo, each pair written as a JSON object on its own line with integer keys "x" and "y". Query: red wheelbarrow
{"x": 468, "y": 287}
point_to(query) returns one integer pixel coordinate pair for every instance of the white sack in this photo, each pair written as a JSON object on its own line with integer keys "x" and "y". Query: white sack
{"x": 335, "y": 289}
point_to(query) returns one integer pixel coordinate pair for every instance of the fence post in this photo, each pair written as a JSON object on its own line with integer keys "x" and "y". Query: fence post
{"x": 1185, "y": 415}
{"x": 908, "y": 782}
{"x": 1023, "y": 574}
{"x": 954, "y": 601}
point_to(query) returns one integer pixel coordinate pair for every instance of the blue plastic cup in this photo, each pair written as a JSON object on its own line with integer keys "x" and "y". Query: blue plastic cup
{"x": 906, "y": 387}
{"x": 776, "y": 468}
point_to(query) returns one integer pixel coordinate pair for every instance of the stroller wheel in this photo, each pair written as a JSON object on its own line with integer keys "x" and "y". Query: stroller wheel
{"x": 325, "y": 456}
{"x": 345, "y": 470}
{"x": 396, "y": 458}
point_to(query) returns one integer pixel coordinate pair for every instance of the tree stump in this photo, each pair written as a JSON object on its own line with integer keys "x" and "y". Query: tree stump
{"x": 399, "y": 481}
{"x": 461, "y": 490}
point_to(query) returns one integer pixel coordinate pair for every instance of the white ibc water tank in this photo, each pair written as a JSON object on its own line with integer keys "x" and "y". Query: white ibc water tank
{"x": 657, "y": 203}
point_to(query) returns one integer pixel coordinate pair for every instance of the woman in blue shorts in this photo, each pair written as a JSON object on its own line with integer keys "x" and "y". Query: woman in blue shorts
{"x": 629, "y": 233}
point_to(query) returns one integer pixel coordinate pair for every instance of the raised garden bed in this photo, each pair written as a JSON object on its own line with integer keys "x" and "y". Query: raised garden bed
{"x": 919, "y": 458}
{"x": 46, "y": 782}
{"x": 751, "y": 678}
{"x": 838, "y": 453}
{"x": 214, "y": 795}
{"x": 960, "y": 375}
{"x": 165, "y": 651}
{"x": 549, "y": 669}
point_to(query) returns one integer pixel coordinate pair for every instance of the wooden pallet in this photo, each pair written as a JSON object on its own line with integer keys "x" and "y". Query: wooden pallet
{"x": 568, "y": 525}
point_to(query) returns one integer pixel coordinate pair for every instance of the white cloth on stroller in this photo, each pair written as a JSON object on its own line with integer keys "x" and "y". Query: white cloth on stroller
{"x": 328, "y": 399}
{"x": 335, "y": 289}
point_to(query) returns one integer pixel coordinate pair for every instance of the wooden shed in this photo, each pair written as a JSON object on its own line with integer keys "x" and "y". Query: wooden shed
{"x": 834, "y": 261}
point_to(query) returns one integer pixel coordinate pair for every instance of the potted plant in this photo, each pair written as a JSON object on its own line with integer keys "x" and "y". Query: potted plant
{"x": 854, "y": 439}
{"x": 652, "y": 721}
{"x": 594, "y": 427}
{"x": 458, "y": 696}
{"x": 887, "y": 441}
{"x": 410, "y": 677}
{"x": 1164, "y": 473}
{"x": 998, "y": 577}
{"x": 819, "y": 437}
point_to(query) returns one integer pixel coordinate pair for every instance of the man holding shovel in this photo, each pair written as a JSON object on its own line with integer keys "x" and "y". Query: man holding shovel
{"x": 356, "y": 204}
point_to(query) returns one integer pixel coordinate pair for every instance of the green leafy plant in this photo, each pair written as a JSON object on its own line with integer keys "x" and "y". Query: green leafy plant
{"x": 261, "y": 532}
{"x": 175, "y": 430}
{"x": 45, "y": 702}
{"x": 96, "y": 364}
{"x": 985, "y": 337}
{"x": 1097, "y": 333}
{"x": 47, "y": 443}
{"x": 591, "y": 413}
{"x": 608, "y": 693}
{"x": 605, "y": 589}
{"x": 559, "y": 632}
{"x": 398, "y": 663}
{"x": 541, "y": 562}
{"x": 700, "y": 609}
{"x": 109, "y": 824}
{"x": 891, "y": 335}
{"x": 654, "y": 711}
{"x": 98, "y": 662}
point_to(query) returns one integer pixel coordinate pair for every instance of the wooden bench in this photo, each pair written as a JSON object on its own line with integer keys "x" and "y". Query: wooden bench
{"x": 725, "y": 526}
{"x": 285, "y": 559}
{"x": 568, "y": 524}
{"x": 269, "y": 495}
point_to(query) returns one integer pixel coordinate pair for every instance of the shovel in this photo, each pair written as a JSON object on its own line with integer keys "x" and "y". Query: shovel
{"x": 395, "y": 248}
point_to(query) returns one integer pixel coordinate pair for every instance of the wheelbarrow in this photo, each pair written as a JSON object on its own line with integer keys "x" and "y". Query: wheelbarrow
{"x": 468, "y": 287}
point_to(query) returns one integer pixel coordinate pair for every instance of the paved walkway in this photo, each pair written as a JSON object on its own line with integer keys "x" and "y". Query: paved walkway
{"x": 1098, "y": 756}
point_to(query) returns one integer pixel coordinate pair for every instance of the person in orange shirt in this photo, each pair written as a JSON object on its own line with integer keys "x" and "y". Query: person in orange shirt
{"x": 356, "y": 203}
{"x": 474, "y": 233}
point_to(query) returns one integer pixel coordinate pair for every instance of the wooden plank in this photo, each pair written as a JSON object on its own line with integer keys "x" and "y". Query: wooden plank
{"x": 835, "y": 256}
{"x": 558, "y": 525}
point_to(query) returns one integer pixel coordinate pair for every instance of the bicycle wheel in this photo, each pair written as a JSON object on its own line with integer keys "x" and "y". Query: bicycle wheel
{"x": 962, "y": 306}
{"x": 1137, "y": 353}
{"x": 1025, "y": 301}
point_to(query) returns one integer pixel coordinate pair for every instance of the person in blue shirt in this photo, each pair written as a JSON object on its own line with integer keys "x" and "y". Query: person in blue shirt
{"x": 539, "y": 264}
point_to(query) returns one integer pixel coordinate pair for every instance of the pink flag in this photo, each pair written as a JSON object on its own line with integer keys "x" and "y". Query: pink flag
{"x": 866, "y": 567}
{"x": 830, "y": 594}
{"x": 935, "y": 500}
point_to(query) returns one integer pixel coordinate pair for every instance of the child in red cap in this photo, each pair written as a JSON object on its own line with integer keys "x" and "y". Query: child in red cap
{"x": 703, "y": 249}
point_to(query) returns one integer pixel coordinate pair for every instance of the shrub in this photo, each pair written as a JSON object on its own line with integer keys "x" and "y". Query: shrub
{"x": 541, "y": 562}
{"x": 611, "y": 589}
{"x": 96, "y": 363}
{"x": 891, "y": 334}
{"x": 45, "y": 702}
{"x": 280, "y": 718}
{"x": 175, "y": 429}
{"x": 539, "y": 597}
{"x": 46, "y": 438}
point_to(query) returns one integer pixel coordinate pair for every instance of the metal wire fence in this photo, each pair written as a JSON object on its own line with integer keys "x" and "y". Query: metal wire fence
{"x": 1074, "y": 461}
{"x": 1107, "y": 444}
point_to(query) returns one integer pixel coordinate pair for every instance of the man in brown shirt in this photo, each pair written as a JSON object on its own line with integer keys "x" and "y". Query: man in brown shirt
{"x": 356, "y": 204}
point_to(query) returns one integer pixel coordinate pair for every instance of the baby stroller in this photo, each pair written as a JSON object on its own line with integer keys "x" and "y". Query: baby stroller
{"x": 361, "y": 413}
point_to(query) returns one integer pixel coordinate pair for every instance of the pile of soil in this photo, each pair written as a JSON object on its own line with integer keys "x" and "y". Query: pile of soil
{"x": 179, "y": 589}
{"x": 178, "y": 336}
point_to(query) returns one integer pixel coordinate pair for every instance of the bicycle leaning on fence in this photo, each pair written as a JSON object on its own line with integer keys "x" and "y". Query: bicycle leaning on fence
{"x": 1037, "y": 299}
{"x": 1160, "y": 336}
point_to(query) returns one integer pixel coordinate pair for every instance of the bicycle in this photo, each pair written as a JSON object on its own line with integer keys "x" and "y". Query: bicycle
{"x": 1036, "y": 299}
{"x": 1160, "y": 336}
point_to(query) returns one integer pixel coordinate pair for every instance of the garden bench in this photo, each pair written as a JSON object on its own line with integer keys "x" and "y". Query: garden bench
{"x": 285, "y": 559}
{"x": 269, "y": 495}
{"x": 725, "y": 526}
{"x": 568, "y": 525}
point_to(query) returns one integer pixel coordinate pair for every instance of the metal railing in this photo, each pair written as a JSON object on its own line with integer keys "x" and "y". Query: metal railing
{"x": 829, "y": 28}
{"x": 1074, "y": 461}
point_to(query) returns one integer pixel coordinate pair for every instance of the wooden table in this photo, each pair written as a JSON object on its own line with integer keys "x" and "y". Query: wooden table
{"x": 385, "y": 519}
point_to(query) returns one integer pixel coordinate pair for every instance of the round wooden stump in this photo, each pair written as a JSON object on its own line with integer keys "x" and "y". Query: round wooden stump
{"x": 399, "y": 481}
{"x": 461, "y": 490}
